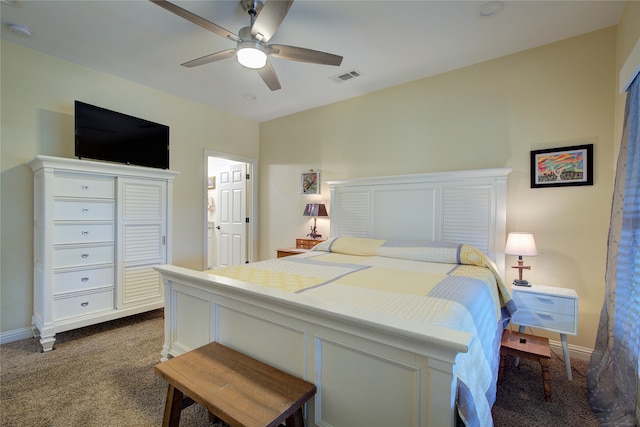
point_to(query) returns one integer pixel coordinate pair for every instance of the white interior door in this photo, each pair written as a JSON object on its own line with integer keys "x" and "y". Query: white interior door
{"x": 232, "y": 215}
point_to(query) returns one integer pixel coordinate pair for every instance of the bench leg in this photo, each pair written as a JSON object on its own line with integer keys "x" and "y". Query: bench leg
{"x": 295, "y": 419}
{"x": 546, "y": 378}
{"x": 503, "y": 356}
{"x": 172, "y": 407}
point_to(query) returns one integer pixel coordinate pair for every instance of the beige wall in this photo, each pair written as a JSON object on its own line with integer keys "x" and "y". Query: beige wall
{"x": 487, "y": 115}
{"x": 37, "y": 118}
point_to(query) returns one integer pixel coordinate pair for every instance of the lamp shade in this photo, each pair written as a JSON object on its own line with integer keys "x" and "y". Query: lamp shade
{"x": 521, "y": 244}
{"x": 315, "y": 209}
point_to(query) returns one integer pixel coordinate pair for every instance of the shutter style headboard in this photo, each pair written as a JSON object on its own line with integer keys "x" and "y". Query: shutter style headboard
{"x": 463, "y": 206}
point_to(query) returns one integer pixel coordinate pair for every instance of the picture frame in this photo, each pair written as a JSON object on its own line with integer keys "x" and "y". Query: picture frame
{"x": 310, "y": 183}
{"x": 211, "y": 183}
{"x": 562, "y": 167}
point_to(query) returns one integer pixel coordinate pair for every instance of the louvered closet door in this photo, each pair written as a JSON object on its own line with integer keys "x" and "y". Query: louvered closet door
{"x": 141, "y": 239}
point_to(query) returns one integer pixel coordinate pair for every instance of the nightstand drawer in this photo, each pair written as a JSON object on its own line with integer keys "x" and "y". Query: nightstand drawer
{"x": 307, "y": 243}
{"x": 545, "y": 320}
{"x": 546, "y": 303}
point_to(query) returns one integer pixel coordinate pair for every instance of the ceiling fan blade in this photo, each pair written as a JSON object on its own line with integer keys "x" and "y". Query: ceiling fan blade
{"x": 210, "y": 58}
{"x": 269, "y": 76}
{"x": 304, "y": 55}
{"x": 208, "y": 25}
{"x": 269, "y": 19}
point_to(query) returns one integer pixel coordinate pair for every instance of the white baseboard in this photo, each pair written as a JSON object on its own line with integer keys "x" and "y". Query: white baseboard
{"x": 582, "y": 353}
{"x": 16, "y": 335}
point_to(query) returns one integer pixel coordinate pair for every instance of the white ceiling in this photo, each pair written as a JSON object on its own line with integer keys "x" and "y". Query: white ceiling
{"x": 388, "y": 42}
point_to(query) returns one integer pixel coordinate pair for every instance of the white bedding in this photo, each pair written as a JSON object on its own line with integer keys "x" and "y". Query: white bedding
{"x": 435, "y": 283}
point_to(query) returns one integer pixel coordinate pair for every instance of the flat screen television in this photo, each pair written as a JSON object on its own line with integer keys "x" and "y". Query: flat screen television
{"x": 103, "y": 134}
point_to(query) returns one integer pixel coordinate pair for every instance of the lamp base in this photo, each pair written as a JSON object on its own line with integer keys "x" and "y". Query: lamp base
{"x": 313, "y": 234}
{"x": 521, "y": 267}
{"x": 519, "y": 282}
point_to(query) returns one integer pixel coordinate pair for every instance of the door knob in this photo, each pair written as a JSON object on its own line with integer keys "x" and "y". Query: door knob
{"x": 218, "y": 227}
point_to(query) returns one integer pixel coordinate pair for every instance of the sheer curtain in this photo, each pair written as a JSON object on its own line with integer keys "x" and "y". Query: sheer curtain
{"x": 612, "y": 378}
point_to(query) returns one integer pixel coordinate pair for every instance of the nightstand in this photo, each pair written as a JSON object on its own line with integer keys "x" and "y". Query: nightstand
{"x": 307, "y": 243}
{"x": 549, "y": 308}
{"x": 302, "y": 246}
{"x": 283, "y": 252}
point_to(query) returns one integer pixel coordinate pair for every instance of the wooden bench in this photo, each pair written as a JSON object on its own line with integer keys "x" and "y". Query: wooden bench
{"x": 528, "y": 347}
{"x": 239, "y": 390}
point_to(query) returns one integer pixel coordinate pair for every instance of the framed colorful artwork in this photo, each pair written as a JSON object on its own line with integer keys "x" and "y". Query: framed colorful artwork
{"x": 564, "y": 166}
{"x": 310, "y": 183}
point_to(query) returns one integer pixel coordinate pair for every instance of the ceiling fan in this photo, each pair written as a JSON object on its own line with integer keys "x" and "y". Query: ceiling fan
{"x": 251, "y": 48}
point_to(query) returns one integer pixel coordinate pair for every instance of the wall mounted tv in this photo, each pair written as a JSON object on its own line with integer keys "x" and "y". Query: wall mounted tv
{"x": 102, "y": 134}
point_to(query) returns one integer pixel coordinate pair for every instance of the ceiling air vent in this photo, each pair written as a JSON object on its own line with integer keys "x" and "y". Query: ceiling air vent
{"x": 346, "y": 76}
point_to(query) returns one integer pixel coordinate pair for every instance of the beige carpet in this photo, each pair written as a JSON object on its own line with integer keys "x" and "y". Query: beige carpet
{"x": 103, "y": 376}
{"x": 520, "y": 399}
{"x": 97, "y": 376}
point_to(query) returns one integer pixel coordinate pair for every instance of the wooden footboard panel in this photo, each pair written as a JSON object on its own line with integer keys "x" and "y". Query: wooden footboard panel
{"x": 369, "y": 370}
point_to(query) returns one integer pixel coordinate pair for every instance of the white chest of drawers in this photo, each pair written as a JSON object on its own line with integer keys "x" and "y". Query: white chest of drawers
{"x": 549, "y": 308}
{"x": 99, "y": 228}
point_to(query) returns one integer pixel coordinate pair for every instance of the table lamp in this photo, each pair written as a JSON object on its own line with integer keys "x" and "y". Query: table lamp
{"x": 521, "y": 244}
{"x": 315, "y": 210}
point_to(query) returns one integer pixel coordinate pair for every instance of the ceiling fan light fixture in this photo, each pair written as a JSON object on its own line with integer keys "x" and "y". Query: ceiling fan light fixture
{"x": 251, "y": 55}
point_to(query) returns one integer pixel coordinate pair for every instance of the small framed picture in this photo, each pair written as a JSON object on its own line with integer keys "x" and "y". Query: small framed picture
{"x": 211, "y": 183}
{"x": 564, "y": 166}
{"x": 310, "y": 183}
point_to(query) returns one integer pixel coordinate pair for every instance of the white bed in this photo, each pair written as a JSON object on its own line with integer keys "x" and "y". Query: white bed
{"x": 370, "y": 369}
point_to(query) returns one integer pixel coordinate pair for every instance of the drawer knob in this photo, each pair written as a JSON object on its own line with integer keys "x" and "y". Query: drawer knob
{"x": 84, "y": 255}
{"x": 84, "y": 304}
{"x": 85, "y": 210}
{"x": 84, "y": 187}
{"x": 85, "y": 233}
{"x": 85, "y": 279}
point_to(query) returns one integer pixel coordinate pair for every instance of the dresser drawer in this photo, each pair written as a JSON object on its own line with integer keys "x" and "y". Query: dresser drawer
{"x": 543, "y": 302}
{"x": 80, "y": 305}
{"x": 307, "y": 243}
{"x": 86, "y": 255}
{"x": 82, "y": 233}
{"x": 84, "y": 186}
{"x": 80, "y": 210}
{"x": 73, "y": 281}
{"x": 546, "y": 320}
